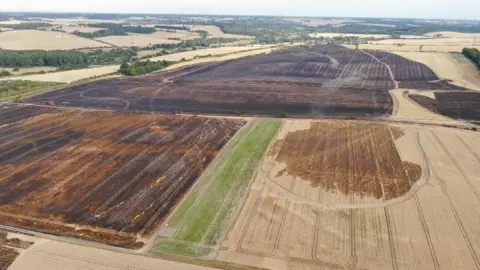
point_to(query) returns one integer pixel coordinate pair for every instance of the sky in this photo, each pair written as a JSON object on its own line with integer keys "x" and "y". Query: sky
{"x": 429, "y": 9}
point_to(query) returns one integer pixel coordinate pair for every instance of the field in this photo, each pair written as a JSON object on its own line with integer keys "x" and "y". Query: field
{"x": 316, "y": 22}
{"x": 188, "y": 55}
{"x": 431, "y": 47}
{"x": 456, "y": 105}
{"x": 104, "y": 176}
{"x": 81, "y": 29}
{"x": 215, "y": 32}
{"x": 333, "y": 35}
{"x": 448, "y": 66}
{"x": 44, "y": 40}
{"x": 297, "y": 81}
{"x": 359, "y": 195}
{"x": 10, "y": 248}
{"x": 29, "y": 70}
{"x": 67, "y": 76}
{"x": 200, "y": 221}
{"x": 138, "y": 40}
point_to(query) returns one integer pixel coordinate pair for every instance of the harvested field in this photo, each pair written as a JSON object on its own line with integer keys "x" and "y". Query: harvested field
{"x": 79, "y": 28}
{"x": 456, "y": 105}
{"x": 138, "y": 40}
{"x": 28, "y": 70}
{"x": 7, "y": 256}
{"x": 104, "y": 176}
{"x": 48, "y": 255}
{"x": 188, "y": 55}
{"x": 290, "y": 222}
{"x": 333, "y": 35}
{"x": 44, "y": 40}
{"x": 67, "y": 76}
{"x": 181, "y": 34}
{"x": 455, "y": 67}
{"x": 297, "y": 81}
{"x": 215, "y": 32}
{"x": 414, "y": 48}
{"x": 317, "y": 22}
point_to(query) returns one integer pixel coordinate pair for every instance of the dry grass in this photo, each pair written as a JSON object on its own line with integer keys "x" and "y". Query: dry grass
{"x": 139, "y": 40}
{"x": 67, "y": 76}
{"x": 29, "y": 70}
{"x": 447, "y": 34}
{"x": 44, "y": 40}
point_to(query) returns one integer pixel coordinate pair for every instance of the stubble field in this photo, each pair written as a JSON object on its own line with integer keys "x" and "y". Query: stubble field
{"x": 361, "y": 196}
{"x": 44, "y": 40}
{"x": 104, "y": 176}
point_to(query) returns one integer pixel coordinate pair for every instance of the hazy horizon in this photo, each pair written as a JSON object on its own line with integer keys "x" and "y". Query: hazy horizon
{"x": 420, "y": 9}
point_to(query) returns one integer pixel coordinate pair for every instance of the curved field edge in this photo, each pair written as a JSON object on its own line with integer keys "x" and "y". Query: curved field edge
{"x": 200, "y": 221}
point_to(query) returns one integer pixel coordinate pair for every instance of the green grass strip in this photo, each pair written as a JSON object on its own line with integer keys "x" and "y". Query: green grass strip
{"x": 201, "y": 219}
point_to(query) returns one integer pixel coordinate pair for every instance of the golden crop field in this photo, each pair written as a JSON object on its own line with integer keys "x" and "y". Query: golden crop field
{"x": 44, "y": 40}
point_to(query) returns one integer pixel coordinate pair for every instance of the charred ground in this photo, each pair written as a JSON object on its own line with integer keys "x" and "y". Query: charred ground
{"x": 313, "y": 81}
{"x": 106, "y": 176}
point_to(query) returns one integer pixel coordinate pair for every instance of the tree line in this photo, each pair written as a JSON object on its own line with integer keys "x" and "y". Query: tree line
{"x": 25, "y": 26}
{"x": 114, "y": 29}
{"x": 473, "y": 54}
{"x": 64, "y": 59}
{"x": 143, "y": 67}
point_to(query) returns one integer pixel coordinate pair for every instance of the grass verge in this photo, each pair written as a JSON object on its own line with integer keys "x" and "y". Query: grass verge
{"x": 17, "y": 88}
{"x": 201, "y": 219}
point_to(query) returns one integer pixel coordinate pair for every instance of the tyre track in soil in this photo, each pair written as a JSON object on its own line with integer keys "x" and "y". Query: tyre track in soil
{"x": 35, "y": 145}
{"x": 477, "y": 157}
{"x": 276, "y": 208}
{"x": 162, "y": 208}
{"x": 248, "y": 191}
{"x": 128, "y": 164}
{"x": 39, "y": 131}
{"x": 136, "y": 177}
{"x": 252, "y": 211}
{"x": 39, "y": 160}
{"x": 206, "y": 188}
{"x": 421, "y": 214}
{"x": 12, "y": 125}
{"x": 455, "y": 162}
{"x": 47, "y": 255}
{"x": 390, "y": 72}
{"x": 67, "y": 225}
{"x": 454, "y": 210}
{"x": 82, "y": 94}
{"x": 131, "y": 162}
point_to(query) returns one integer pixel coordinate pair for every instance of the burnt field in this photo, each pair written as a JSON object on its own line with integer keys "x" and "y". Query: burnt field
{"x": 105, "y": 176}
{"x": 314, "y": 81}
{"x": 457, "y": 105}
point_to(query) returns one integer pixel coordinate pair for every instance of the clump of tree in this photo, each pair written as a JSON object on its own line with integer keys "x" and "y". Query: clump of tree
{"x": 172, "y": 27}
{"x": 473, "y": 54}
{"x": 143, "y": 67}
{"x": 4, "y": 73}
{"x": 64, "y": 59}
{"x": 114, "y": 29}
{"x": 25, "y": 26}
